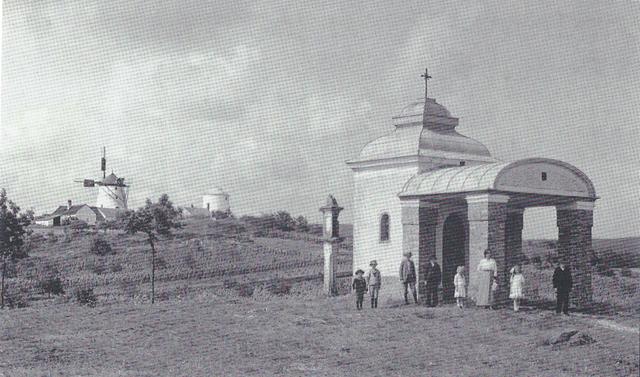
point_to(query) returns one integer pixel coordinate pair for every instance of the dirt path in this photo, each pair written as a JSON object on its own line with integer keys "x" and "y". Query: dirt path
{"x": 609, "y": 324}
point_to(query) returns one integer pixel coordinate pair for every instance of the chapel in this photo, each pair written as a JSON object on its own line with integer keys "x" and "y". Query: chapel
{"x": 425, "y": 188}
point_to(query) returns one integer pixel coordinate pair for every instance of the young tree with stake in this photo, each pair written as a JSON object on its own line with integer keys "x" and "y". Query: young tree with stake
{"x": 154, "y": 220}
{"x": 12, "y": 230}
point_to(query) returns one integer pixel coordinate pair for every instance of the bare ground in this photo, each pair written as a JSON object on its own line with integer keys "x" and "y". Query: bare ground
{"x": 217, "y": 335}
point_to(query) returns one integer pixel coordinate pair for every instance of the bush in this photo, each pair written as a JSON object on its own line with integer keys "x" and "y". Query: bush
{"x": 51, "y": 237}
{"x": 626, "y": 272}
{"x": 161, "y": 263}
{"x": 604, "y": 269}
{"x": 51, "y": 285}
{"x": 85, "y": 296}
{"x": 100, "y": 246}
{"x": 16, "y": 298}
{"x": 115, "y": 267}
{"x": 78, "y": 225}
{"x": 282, "y": 287}
{"x": 245, "y": 290}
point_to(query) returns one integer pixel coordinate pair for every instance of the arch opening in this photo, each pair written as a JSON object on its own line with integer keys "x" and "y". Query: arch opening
{"x": 453, "y": 253}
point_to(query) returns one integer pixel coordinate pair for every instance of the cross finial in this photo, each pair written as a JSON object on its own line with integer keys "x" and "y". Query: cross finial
{"x": 426, "y": 82}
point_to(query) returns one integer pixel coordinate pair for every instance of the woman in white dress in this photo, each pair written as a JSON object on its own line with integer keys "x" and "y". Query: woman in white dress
{"x": 487, "y": 274}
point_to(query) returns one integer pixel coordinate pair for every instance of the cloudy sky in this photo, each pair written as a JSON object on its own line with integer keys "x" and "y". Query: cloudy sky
{"x": 268, "y": 99}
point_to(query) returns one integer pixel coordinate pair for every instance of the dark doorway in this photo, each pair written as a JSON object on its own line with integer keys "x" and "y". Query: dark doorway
{"x": 453, "y": 250}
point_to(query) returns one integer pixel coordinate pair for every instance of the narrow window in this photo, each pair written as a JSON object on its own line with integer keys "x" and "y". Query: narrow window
{"x": 384, "y": 227}
{"x": 463, "y": 163}
{"x": 544, "y": 176}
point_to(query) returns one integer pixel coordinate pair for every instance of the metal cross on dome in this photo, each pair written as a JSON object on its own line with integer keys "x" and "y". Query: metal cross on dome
{"x": 426, "y": 81}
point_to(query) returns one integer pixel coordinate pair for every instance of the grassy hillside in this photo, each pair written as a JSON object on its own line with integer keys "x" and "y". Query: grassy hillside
{"x": 230, "y": 302}
{"x": 215, "y": 334}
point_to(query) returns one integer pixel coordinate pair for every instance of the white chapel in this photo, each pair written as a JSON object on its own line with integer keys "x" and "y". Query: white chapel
{"x": 427, "y": 189}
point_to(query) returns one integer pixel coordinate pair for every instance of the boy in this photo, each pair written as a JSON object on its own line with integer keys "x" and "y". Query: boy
{"x": 374, "y": 281}
{"x": 360, "y": 287}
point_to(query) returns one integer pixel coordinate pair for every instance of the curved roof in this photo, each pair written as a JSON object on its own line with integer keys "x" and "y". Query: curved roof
{"x": 215, "y": 191}
{"x": 417, "y": 135}
{"x": 417, "y": 108}
{"x": 523, "y": 176}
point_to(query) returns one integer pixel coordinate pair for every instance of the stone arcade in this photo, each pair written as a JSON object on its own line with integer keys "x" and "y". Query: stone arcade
{"x": 427, "y": 189}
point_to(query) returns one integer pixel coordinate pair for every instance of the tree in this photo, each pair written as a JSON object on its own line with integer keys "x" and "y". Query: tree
{"x": 302, "y": 225}
{"x": 284, "y": 221}
{"x": 12, "y": 231}
{"x": 154, "y": 220}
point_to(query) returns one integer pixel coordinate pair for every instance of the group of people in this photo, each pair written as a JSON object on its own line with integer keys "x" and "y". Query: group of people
{"x": 487, "y": 283}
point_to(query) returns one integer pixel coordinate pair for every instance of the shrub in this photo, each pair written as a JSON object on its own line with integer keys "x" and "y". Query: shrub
{"x": 626, "y": 272}
{"x": 100, "y": 246}
{"x": 604, "y": 269}
{"x": 85, "y": 296}
{"x": 245, "y": 290}
{"x": 51, "y": 285}
{"x": 16, "y": 299}
{"x": 282, "y": 287}
{"x": 78, "y": 225}
{"x": 161, "y": 263}
{"x": 115, "y": 267}
{"x": 51, "y": 237}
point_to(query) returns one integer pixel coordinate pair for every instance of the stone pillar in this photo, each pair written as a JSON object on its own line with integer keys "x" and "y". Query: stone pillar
{"x": 487, "y": 215}
{"x": 513, "y": 236}
{"x": 419, "y": 221}
{"x": 574, "y": 247}
{"x": 331, "y": 244}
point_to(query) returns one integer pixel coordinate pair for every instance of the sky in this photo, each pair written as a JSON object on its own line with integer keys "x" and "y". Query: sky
{"x": 267, "y": 100}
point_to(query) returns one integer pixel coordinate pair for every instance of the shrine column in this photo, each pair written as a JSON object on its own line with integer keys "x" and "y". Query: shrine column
{"x": 513, "y": 236}
{"x": 574, "y": 247}
{"x": 487, "y": 215}
{"x": 419, "y": 221}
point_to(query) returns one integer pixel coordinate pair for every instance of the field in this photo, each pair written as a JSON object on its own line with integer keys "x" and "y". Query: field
{"x": 231, "y": 303}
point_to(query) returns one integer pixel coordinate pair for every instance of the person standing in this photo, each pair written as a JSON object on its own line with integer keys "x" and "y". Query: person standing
{"x": 487, "y": 273}
{"x": 359, "y": 285}
{"x": 408, "y": 277}
{"x": 374, "y": 281}
{"x": 460, "y": 283}
{"x": 434, "y": 277}
{"x": 562, "y": 282}
{"x": 516, "y": 283}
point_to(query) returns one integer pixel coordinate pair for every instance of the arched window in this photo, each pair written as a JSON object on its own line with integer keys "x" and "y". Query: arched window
{"x": 384, "y": 227}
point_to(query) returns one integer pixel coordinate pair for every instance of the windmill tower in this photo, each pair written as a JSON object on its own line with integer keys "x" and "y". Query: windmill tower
{"x": 112, "y": 191}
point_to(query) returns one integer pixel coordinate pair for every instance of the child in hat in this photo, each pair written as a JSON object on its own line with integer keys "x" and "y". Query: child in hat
{"x": 460, "y": 284}
{"x": 360, "y": 287}
{"x": 374, "y": 281}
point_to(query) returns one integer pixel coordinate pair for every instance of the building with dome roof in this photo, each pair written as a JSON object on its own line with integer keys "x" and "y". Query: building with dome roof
{"x": 425, "y": 188}
{"x": 216, "y": 200}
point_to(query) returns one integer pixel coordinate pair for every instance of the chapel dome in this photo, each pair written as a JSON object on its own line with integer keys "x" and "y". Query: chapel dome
{"x": 417, "y": 108}
{"x": 215, "y": 191}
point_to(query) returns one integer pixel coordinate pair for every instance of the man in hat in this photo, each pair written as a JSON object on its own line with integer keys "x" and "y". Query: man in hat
{"x": 433, "y": 279}
{"x": 359, "y": 285}
{"x": 374, "y": 281}
{"x": 408, "y": 277}
{"x": 562, "y": 282}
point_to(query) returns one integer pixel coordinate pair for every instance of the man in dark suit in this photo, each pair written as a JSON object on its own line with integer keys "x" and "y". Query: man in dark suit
{"x": 562, "y": 283}
{"x": 433, "y": 279}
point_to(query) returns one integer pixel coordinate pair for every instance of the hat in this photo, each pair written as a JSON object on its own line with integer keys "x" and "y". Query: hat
{"x": 373, "y": 263}
{"x": 359, "y": 271}
{"x": 407, "y": 254}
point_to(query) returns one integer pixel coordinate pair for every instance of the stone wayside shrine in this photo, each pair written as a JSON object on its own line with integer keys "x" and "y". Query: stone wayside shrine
{"x": 331, "y": 243}
{"x": 427, "y": 189}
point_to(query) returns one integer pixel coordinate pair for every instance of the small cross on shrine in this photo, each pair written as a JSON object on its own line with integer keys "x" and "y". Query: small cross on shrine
{"x": 426, "y": 81}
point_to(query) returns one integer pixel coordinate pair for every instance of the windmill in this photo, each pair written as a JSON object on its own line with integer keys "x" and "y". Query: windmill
{"x": 112, "y": 191}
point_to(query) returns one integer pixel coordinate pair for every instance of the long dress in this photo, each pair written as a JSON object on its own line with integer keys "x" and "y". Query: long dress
{"x": 517, "y": 281}
{"x": 460, "y": 286}
{"x": 487, "y": 271}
